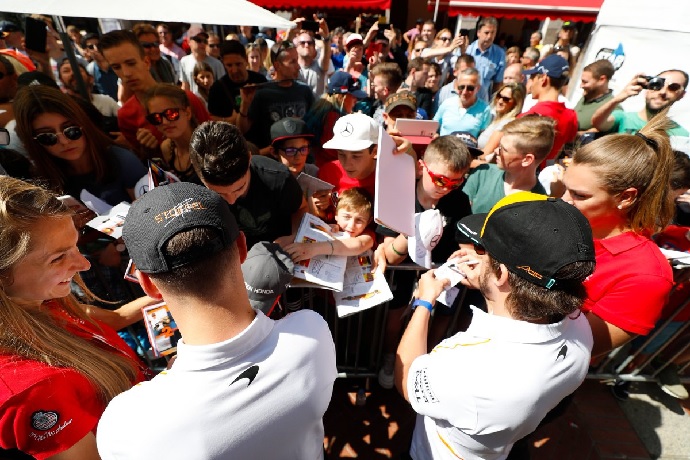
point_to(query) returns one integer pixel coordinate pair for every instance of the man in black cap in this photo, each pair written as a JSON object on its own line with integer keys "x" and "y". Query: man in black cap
{"x": 239, "y": 376}
{"x": 13, "y": 36}
{"x": 482, "y": 389}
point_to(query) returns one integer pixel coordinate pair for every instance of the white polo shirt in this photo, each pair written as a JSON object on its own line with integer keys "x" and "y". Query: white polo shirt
{"x": 483, "y": 389}
{"x": 261, "y": 394}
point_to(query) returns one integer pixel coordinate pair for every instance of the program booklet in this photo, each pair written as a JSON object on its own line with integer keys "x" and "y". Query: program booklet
{"x": 362, "y": 288}
{"x": 161, "y": 328}
{"x": 112, "y": 222}
{"x": 320, "y": 271}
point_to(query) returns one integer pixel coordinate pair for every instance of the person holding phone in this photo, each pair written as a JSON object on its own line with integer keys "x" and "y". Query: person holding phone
{"x": 62, "y": 360}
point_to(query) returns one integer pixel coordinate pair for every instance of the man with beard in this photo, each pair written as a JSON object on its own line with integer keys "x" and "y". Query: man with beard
{"x": 594, "y": 82}
{"x": 662, "y": 92}
{"x": 532, "y": 255}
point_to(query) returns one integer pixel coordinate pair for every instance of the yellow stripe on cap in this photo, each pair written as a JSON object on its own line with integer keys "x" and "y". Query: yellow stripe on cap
{"x": 513, "y": 198}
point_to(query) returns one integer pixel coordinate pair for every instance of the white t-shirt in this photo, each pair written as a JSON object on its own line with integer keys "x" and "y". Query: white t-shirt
{"x": 261, "y": 394}
{"x": 187, "y": 65}
{"x": 483, "y": 389}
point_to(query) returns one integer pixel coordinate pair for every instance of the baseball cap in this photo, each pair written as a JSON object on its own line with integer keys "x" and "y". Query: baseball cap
{"x": 568, "y": 25}
{"x": 428, "y": 232}
{"x": 353, "y": 132}
{"x": 401, "y": 98}
{"x": 168, "y": 210}
{"x": 289, "y": 128}
{"x": 352, "y": 40}
{"x": 470, "y": 141}
{"x": 6, "y": 27}
{"x": 35, "y": 78}
{"x": 552, "y": 65}
{"x": 533, "y": 235}
{"x": 343, "y": 83}
{"x": 468, "y": 229}
{"x": 267, "y": 271}
{"x": 196, "y": 30}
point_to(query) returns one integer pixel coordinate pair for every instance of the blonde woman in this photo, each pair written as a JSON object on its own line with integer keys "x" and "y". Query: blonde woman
{"x": 506, "y": 104}
{"x": 61, "y": 362}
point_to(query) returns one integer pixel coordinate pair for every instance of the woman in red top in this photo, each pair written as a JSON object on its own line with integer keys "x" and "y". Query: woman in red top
{"x": 621, "y": 184}
{"x": 61, "y": 362}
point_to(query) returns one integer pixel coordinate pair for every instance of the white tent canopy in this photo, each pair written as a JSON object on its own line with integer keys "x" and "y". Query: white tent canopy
{"x": 225, "y": 12}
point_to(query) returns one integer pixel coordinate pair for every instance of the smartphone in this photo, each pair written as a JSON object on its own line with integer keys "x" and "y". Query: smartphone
{"x": 311, "y": 26}
{"x": 383, "y": 26}
{"x": 4, "y": 137}
{"x": 36, "y": 34}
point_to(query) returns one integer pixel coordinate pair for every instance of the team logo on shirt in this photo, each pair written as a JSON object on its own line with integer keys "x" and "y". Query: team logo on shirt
{"x": 562, "y": 352}
{"x": 249, "y": 374}
{"x": 44, "y": 420}
{"x": 422, "y": 388}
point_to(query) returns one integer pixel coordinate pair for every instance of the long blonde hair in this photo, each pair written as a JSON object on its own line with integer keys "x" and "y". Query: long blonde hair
{"x": 34, "y": 333}
{"x": 643, "y": 161}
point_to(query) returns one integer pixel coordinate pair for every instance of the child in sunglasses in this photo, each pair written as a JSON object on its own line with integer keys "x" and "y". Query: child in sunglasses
{"x": 168, "y": 109}
{"x": 441, "y": 174}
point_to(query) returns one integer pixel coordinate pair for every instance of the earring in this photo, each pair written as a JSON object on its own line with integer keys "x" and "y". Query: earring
{"x": 620, "y": 206}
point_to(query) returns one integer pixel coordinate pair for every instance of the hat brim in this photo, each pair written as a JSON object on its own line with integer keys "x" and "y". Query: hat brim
{"x": 349, "y": 145}
{"x": 264, "y": 305}
{"x": 531, "y": 71}
{"x": 292, "y": 136}
{"x": 475, "y": 152}
{"x": 469, "y": 229}
{"x": 353, "y": 43}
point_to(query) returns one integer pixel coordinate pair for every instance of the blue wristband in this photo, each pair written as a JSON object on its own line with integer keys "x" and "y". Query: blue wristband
{"x": 423, "y": 303}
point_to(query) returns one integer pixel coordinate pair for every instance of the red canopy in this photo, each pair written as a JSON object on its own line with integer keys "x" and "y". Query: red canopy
{"x": 568, "y": 10}
{"x": 324, "y": 4}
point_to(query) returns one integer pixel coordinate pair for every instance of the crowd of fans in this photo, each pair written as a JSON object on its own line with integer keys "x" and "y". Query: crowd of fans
{"x": 236, "y": 120}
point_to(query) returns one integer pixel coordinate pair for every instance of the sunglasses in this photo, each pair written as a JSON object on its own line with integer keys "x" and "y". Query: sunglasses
{"x": 443, "y": 181}
{"x": 156, "y": 119}
{"x": 469, "y": 88}
{"x": 214, "y": 45}
{"x": 293, "y": 151}
{"x": 306, "y": 42}
{"x": 418, "y": 50}
{"x": 49, "y": 139}
{"x": 505, "y": 99}
{"x": 479, "y": 249}
{"x": 149, "y": 44}
{"x": 445, "y": 39}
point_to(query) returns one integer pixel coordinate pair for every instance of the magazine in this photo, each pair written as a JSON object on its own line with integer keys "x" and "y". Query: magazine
{"x": 320, "y": 271}
{"x": 161, "y": 328}
{"x": 112, "y": 222}
{"x": 311, "y": 184}
{"x": 362, "y": 288}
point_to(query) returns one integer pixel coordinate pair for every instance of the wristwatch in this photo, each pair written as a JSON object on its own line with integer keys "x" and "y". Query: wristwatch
{"x": 418, "y": 302}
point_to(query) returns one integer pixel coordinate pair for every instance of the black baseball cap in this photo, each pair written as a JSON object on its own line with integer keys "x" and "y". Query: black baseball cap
{"x": 470, "y": 141}
{"x": 343, "y": 83}
{"x": 168, "y": 210}
{"x": 267, "y": 271}
{"x": 533, "y": 235}
{"x": 289, "y": 128}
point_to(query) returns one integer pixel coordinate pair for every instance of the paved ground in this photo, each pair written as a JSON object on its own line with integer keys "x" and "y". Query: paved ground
{"x": 595, "y": 426}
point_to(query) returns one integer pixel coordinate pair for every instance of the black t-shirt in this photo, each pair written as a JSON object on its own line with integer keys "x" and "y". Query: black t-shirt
{"x": 274, "y": 195}
{"x": 425, "y": 99}
{"x": 452, "y": 207}
{"x": 274, "y": 102}
{"x": 223, "y": 97}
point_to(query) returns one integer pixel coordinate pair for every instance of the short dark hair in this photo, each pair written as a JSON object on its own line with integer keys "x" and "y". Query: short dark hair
{"x": 89, "y": 36}
{"x": 487, "y": 21}
{"x": 119, "y": 37}
{"x": 279, "y": 49}
{"x": 219, "y": 153}
{"x": 468, "y": 59}
{"x": 416, "y": 64}
{"x": 530, "y": 302}
{"x": 202, "y": 276}
{"x": 601, "y": 67}
{"x": 449, "y": 150}
{"x": 232, "y": 47}
{"x": 680, "y": 174}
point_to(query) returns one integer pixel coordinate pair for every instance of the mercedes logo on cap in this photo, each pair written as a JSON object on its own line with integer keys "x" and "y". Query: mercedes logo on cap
{"x": 347, "y": 130}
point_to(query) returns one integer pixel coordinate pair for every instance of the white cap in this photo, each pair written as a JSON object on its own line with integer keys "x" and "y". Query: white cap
{"x": 353, "y": 38}
{"x": 428, "y": 232}
{"x": 353, "y": 132}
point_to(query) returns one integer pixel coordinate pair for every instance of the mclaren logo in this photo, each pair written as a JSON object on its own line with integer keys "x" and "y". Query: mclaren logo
{"x": 347, "y": 130}
{"x": 249, "y": 374}
{"x": 529, "y": 270}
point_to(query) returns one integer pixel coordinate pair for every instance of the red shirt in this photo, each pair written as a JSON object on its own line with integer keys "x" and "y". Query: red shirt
{"x": 132, "y": 116}
{"x": 630, "y": 284}
{"x": 566, "y": 123}
{"x": 333, "y": 173}
{"x": 45, "y": 410}
{"x": 676, "y": 238}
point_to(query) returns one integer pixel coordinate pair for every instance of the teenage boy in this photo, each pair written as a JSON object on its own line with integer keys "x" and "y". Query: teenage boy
{"x": 355, "y": 137}
{"x": 291, "y": 142}
{"x": 442, "y": 172}
{"x": 525, "y": 143}
{"x": 353, "y": 214}
{"x": 234, "y": 365}
{"x": 263, "y": 195}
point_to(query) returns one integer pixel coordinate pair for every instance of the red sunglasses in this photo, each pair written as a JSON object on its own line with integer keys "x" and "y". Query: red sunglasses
{"x": 443, "y": 181}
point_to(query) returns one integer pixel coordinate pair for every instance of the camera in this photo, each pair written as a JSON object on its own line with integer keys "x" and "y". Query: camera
{"x": 653, "y": 83}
